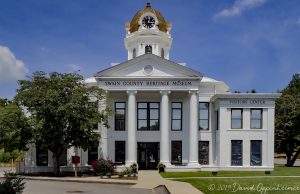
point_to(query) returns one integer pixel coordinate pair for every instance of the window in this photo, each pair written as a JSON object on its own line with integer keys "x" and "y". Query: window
{"x": 120, "y": 110}
{"x": 236, "y": 152}
{"x": 63, "y": 159}
{"x": 203, "y": 115}
{"x": 148, "y": 49}
{"x": 217, "y": 120}
{"x": 133, "y": 53}
{"x": 162, "y": 53}
{"x": 92, "y": 154}
{"x": 148, "y": 116}
{"x": 203, "y": 152}
{"x": 236, "y": 118}
{"x": 176, "y": 157}
{"x": 41, "y": 156}
{"x": 120, "y": 152}
{"x": 176, "y": 124}
{"x": 255, "y": 153}
{"x": 256, "y": 119}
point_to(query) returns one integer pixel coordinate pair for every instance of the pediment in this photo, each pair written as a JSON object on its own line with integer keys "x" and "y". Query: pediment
{"x": 140, "y": 67}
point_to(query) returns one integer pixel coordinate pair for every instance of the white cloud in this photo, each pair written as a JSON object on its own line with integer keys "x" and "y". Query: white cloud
{"x": 11, "y": 68}
{"x": 74, "y": 67}
{"x": 238, "y": 7}
{"x": 44, "y": 49}
{"x": 298, "y": 21}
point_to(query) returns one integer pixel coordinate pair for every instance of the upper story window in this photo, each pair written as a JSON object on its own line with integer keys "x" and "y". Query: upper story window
{"x": 148, "y": 116}
{"x": 256, "y": 119}
{"x": 133, "y": 53}
{"x": 162, "y": 53}
{"x": 176, "y": 124}
{"x": 217, "y": 119}
{"x": 203, "y": 115}
{"x": 236, "y": 118}
{"x": 120, "y": 111}
{"x": 148, "y": 49}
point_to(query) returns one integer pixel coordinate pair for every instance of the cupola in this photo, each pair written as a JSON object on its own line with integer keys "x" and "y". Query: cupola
{"x": 148, "y": 33}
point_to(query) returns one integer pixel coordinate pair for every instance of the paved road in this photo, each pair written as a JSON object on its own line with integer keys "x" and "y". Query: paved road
{"x": 53, "y": 187}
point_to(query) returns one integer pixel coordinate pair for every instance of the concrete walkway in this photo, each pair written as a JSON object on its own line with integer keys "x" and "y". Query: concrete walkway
{"x": 151, "y": 179}
{"x": 92, "y": 179}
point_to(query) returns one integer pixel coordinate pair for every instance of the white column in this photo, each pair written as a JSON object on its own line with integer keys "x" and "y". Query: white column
{"x": 103, "y": 147}
{"x": 164, "y": 128}
{"x": 193, "y": 151}
{"x": 131, "y": 127}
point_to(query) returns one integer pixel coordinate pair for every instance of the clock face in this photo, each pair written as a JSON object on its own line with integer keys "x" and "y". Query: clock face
{"x": 148, "y": 21}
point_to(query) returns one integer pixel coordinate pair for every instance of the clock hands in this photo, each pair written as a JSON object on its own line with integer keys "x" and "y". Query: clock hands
{"x": 148, "y": 21}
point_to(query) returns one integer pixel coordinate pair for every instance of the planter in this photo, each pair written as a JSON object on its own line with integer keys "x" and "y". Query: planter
{"x": 134, "y": 170}
{"x": 161, "y": 169}
{"x": 214, "y": 173}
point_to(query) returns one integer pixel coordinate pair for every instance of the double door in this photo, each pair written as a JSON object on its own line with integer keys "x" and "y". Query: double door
{"x": 147, "y": 155}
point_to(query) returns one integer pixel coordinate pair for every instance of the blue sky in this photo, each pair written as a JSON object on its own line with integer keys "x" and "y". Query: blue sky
{"x": 249, "y": 44}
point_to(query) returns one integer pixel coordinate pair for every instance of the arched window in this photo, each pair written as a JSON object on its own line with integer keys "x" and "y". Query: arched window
{"x": 148, "y": 49}
{"x": 162, "y": 53}
{"x": 133, "y": 53}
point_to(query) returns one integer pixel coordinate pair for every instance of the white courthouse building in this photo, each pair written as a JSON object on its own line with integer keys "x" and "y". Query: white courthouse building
{"x": 166, "y": 112}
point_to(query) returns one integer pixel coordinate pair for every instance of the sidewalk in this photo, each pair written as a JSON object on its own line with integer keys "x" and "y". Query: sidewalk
{"x": 95, "y": 179}
{"x": 151, "y": 179}
{"x": 146, "y": 180}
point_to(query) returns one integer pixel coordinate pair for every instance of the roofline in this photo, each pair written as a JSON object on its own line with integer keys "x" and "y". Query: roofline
{"x": 246, "y": 95}
{"x": 150, "y": 54}
{"x": 141, "y": 77}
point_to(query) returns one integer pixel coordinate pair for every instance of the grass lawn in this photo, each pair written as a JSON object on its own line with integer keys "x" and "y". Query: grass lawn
{"x": 245, "y": 185}
{"x": 278, "y": 171}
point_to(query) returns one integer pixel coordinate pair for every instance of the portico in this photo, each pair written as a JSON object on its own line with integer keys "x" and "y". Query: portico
{"x": 191, "y": 96}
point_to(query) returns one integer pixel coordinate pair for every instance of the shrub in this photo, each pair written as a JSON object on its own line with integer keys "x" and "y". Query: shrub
{"x": 127, "y": 171}
{"x": 121, "y": 174}
{"x": 161, "y": 167}
{"x": 12, "y": 184}
{"x": 102, "y": 166}
{"x": 134, "y": 167}
{"x": 89, "y": 170}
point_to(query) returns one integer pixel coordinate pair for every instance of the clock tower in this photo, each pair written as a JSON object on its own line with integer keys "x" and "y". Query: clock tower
{"x": 148, "y": 32}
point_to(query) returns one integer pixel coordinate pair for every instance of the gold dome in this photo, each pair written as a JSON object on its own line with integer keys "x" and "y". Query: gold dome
{"x": 134, "y": 24}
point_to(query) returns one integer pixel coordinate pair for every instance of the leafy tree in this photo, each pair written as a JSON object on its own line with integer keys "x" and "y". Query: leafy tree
{"x": 6, "y": 157}
{"x": 4, "y": 102}
{"x": 15, "y": 130}
{"x": 64, "y": 111}
{"x": 287, "y": 124}
{"x": 12, "y": 184}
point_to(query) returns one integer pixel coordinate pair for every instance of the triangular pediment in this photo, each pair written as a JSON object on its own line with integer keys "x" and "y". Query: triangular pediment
{"x": 148, "y": 66}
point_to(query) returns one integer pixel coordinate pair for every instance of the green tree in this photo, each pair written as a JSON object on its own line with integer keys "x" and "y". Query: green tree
{"x": 287, "y": 123}
{"x": 15, "y": 130}
{"x": 12, "y": 184}
{"x": 64, "y": 111}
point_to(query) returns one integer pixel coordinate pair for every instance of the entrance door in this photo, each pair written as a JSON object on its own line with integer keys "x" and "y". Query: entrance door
{"x": 148, "y": 155}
